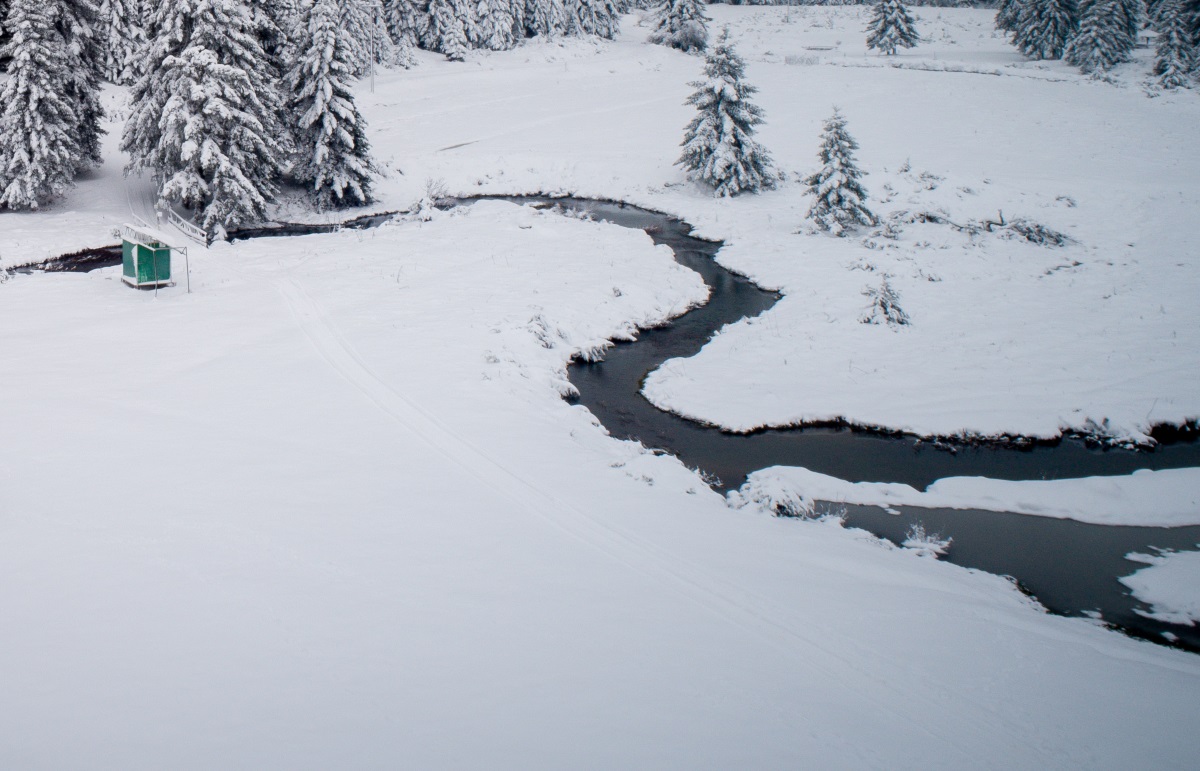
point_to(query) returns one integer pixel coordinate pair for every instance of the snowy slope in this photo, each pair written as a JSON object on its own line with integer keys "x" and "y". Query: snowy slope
{"x": 329, "y": 510}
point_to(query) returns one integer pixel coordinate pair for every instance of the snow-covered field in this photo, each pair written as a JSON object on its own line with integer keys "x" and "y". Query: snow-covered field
{"x": 329, "y": 509}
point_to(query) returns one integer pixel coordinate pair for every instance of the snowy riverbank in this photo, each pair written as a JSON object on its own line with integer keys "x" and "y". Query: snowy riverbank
{"x": 330, "y": 510}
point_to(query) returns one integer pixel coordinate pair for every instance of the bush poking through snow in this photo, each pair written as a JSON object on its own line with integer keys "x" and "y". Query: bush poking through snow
{"x": 885, "y": 306}
{"x": 718, "y": 146}
{"x": 774, "y": 495}
{"x": 840, "y": 196}
{"x": 924, "y": 543}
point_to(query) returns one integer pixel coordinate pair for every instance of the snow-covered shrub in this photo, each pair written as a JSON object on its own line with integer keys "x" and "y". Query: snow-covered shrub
{"x": 924, "y": 543}
{"x": 719, "y": 147}
{"x": 768, "y": 492}
{"x": 891, "y": 27}
{"x": 680, "y": 24}
{"x": 432, "y": 199}
{"x": 885, "y": 306}
{"x": 840, "y": 198}
{"x": 1037, "y": 233}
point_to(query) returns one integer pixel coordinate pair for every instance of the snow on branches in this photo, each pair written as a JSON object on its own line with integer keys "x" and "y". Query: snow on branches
{"x": 332, "y": 153}
{"x": 40, "y": 148}
{"x": 719, "y": 147}
{"x": 891, "y": 27}
{"x": 204, "y": 117}
{"x": 840, "y": 198}
{"x": 680, "y": 24}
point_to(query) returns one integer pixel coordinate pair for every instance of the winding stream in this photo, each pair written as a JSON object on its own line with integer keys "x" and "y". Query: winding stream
{"x": 1070, "y": 567}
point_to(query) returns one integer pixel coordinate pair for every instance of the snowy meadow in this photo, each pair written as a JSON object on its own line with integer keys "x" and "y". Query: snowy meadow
{"x": 331, "y": 508}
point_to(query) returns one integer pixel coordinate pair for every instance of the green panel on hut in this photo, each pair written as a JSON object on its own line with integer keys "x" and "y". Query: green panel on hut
{"x": 153, "y": 263}
{"x": 127, "y": 252}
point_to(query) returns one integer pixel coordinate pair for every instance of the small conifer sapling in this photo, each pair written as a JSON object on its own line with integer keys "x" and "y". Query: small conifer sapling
{"x": 891, "y": 27}
{"x": 840, "y": 197}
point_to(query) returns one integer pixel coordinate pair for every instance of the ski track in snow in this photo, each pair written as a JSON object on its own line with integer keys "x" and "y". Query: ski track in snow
{"x": 731, "y": 603}
{"x": 744, "y": 611}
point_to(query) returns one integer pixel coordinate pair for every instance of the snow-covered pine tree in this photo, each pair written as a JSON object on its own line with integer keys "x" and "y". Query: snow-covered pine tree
{"x": 124, "y": 39}
{"x": 406, "y": 21}
{"x": 367, "y": 33}
{"x": 891, "y": 26}
{"x": 1191, "y": 16}
{"x": 275, "y": 21}
{"x": 1008, "y": 14}
{"x": 77, "y": 22}
{"x": 1175, "y": 59}
{"x": 204, "y": 117}
{"x": 719, "y": 147}
{"x": 1102, "y": 40}
{"x": 447, "y": 30}
{"x": 840, "y": 198}
{"x": 547, "y": 18}
{"x": 593, "y": 17}
{"x": 680, "y": 24}
{"x": 1045, "y": 27}
{"x": 495, "y": 25}
{"x": 1132, "y": 15}
{"x": 332, "y": 154}
{"x": 39, "y": 149}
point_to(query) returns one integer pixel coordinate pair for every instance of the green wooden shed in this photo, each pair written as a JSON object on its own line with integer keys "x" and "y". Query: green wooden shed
{"x": 146, "y": 257}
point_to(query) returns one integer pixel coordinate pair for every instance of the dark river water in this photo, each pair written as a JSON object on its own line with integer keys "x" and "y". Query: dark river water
{"x": 1070, "y": 567}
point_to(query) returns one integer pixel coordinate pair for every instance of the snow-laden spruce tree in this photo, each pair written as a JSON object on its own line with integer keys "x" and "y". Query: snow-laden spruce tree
{"x": 39, "y": 149}
{"x": 891, "y": 27}
{"x": 77, "y": 21}
{"x": 1008, "y": 14}
{"x": 275, "y": 21}
{"x": 719, "y": 147}
{"x": 1045, "y": 27}
{"x": 447, "y": 28}
{"x": 593, "y": 17}
{"x": 124, "y": 39}
{"x": 680, "y": 24}
{"x": 406, "y": 21}
{"x": 1175, "y": 58}
{"x": 332, "y": 154}
{"x": 840, "y": 197}
{"x": 547, "y": 18}
{"x": 495, "y": 24}
{"x": 204, "y": 119}
{"x": 1103, "y": 38}
{"x": 370, "y": 42}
